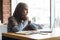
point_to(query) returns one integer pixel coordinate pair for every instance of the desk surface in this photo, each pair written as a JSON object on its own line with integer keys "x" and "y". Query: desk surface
{"x": 28, "y": 37}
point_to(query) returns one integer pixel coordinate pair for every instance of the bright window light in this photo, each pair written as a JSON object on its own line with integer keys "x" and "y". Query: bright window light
{"x": 38, "y": 12}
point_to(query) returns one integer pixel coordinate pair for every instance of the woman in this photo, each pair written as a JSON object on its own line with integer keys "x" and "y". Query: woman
{"x": 19, "y": 21}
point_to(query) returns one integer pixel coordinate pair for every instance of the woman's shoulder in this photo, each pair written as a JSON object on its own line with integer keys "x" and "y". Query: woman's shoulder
{"x": 11, "y": 18}
{"x": 12, "y": 21}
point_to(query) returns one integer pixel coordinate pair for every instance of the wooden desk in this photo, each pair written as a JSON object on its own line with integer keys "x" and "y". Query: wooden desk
{"x": 29, "y": 37}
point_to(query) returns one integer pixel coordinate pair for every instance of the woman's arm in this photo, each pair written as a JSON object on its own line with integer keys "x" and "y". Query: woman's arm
{"x": 13, "y": 27}
{"x": 22, "y": 25}
{"x": 12, "y": 24}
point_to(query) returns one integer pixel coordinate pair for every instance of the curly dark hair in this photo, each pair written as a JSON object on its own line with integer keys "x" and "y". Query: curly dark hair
{"x": 19, "y": 9}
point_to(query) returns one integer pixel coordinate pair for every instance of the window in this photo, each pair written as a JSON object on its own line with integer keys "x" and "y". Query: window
{"x": 39, "y": 11}
{"x": 57, "y": 13}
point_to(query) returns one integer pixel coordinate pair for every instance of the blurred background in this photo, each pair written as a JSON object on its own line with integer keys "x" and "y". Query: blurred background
{"x": 43, "y": 12}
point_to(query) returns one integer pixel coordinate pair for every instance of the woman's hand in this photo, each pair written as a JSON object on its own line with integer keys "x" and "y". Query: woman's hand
{"x": 29, "y": 22}
{"x": 15, "y": 23}
{"x": 25, "y": 18}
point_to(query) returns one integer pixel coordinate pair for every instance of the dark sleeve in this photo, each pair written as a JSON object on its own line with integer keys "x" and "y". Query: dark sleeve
{"x": 30, "y": 27}
{"x": 33, "y": 26}
{"x": 11, "y": 25}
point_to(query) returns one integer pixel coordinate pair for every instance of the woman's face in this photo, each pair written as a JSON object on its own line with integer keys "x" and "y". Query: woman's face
{"x": 25, "y": 12}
